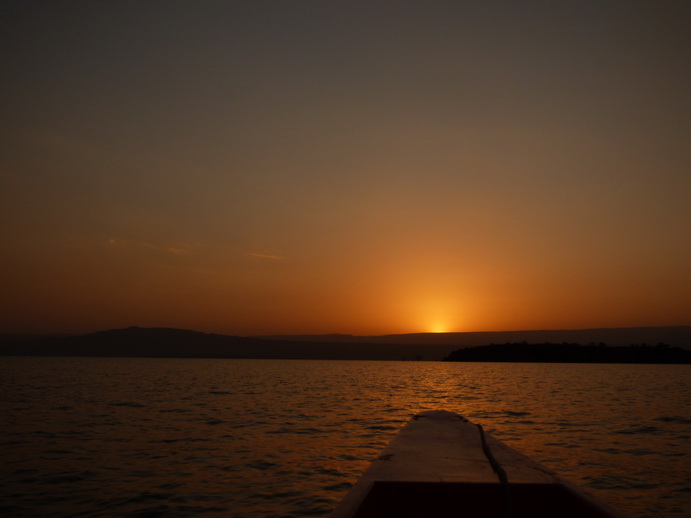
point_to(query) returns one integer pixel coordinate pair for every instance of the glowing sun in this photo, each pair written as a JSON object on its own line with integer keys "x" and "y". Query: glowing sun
{"x": 438, "y": 327}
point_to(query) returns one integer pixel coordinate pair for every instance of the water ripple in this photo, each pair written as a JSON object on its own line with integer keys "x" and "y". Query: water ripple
{"x": 264, "y": 438}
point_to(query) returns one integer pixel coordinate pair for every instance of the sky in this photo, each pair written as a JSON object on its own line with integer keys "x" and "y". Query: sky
{"x": 363, "y": 167}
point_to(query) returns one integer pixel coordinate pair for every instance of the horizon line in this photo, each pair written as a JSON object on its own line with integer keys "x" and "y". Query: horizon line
{"x": 80, "y": 333}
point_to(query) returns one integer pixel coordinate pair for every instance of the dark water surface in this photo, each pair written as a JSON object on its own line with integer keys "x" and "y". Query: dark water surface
{"x": 269, "y": 438}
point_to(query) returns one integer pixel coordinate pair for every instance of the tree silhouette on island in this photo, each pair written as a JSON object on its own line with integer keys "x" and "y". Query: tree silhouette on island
{"x": 570, "y": 353}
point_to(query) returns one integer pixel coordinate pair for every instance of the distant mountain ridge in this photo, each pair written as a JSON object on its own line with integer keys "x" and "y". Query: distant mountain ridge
{"x": 678, "y": 336}
{"x": 180, "y": 343}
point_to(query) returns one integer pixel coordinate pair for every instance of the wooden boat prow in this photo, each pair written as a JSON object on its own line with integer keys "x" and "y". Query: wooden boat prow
{"x": 437, "y": 465}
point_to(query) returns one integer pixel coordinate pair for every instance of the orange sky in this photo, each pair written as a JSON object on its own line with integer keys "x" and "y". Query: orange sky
{"x": 319, "y": 167}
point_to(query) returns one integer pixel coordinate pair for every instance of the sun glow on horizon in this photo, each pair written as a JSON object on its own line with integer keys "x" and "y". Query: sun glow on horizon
{"x": 436, "y": 313}
{"x": 438, "y": 327}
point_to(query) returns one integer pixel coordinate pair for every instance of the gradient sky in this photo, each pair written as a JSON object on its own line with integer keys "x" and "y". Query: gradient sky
{"x": 256, "y": 167}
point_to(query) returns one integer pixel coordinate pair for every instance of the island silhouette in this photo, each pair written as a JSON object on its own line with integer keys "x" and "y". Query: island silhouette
{"x": 571, "y": 353}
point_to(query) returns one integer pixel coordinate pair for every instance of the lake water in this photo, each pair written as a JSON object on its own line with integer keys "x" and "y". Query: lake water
{"x": 270, "y": 438}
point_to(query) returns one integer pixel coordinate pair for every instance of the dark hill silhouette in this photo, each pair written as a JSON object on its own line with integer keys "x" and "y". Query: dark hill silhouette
{"x": 571, "y": 353}
{"x": 166, "y": 342}
{"x": 177, "y": 343}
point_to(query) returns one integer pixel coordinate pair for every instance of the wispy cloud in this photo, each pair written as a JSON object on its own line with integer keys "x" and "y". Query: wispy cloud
{"x": 170, "y": 249}
{"x": 177, "y": 250}
{"x": 262, "y": 255}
